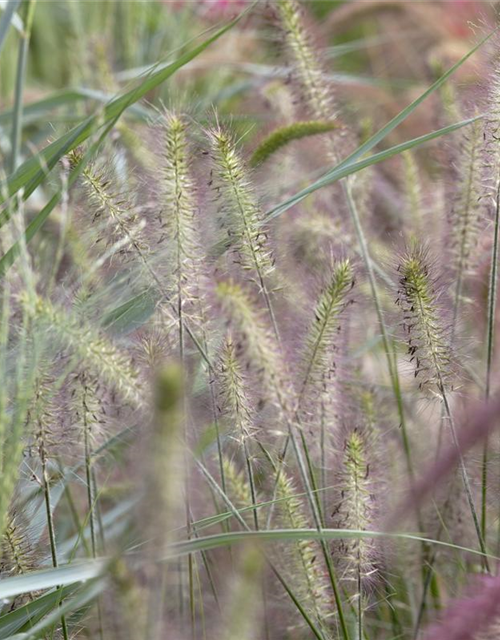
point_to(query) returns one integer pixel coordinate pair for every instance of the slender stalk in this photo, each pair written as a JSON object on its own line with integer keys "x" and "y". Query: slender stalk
{"x": 91, "y": 491}
{"x": 50, "y": 525}
{"x": 490, "y": 344}
{"x": 465, "y": 477}
{"x": 391, "y": 363}
{"x": 17, "y": 117}
{"x": 307, "y": 477}
{"x": 7, "y": 16}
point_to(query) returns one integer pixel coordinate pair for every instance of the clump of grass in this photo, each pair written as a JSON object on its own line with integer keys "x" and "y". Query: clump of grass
{"x": 173, "y": 258}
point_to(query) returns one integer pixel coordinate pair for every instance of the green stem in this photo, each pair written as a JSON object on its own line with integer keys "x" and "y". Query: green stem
{"x": 490, "y": 344}
{"x": 17, "y": 117}
{"x": 391, "y": 363}
{"x": 50, "y": 526}
{"x": 316, "y": 632}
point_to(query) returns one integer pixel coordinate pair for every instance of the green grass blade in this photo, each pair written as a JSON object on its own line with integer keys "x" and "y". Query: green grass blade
{"x": 379, "y": 136}
{"x": 85, "y": 596}
{"x": 38, "y": 110}
{"x": 24, "y": 617}
{"x": 17, "y": 116}
{"x": 32, "y": 172}
{"x": 132, "y": 314}
{"x": 49, "y": 578}
{"x": 284, "y": 535}
{"x": 6, "y": 19}
{"x": 343, "y": 170}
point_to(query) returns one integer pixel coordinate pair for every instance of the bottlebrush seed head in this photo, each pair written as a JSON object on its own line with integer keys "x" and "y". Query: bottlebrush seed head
{"x": 240, "y": 205}
{"x": 238, "y": 487}
{"x": 116, "y": 210}
{"x": 322, "y": 335}
{"x": 466, "y": 211}
{"x": 18, "y": 555}
{"x": 426, "y": 334}
{"x": 94, "y": 350}
{"x": 357, "y": 508}
{"x": 309, "y": 578}
{"x": 178, "y": 214}
{"x": 258, "y": 342}
{"x": 309, "y": 74}
{"x": 233, "y": 383}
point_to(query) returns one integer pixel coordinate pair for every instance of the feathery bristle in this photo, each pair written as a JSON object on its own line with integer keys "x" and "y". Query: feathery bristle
{"x": 465, "y": 215}
{"x": 238, "y": 488}
{"x": 18, "y": 556}
{"x": 356, "y": 511}
{"x": 413, "y": 189}
{"x": 116, "y": 210}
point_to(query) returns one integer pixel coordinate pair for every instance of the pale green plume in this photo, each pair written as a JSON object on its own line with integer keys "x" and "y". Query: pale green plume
{"x": 238, "y": 488}
{"x": 237, "y": 410}
{"x": 240, "y": 204}
{"x": 413, "y": 189}
{"x": 466, "y": 211}
{"x": 356, "y": 511}
{"x": 322, "y": 335}
{"x": 258, "y": 342}
{"x": 314, "y": 86}
{"x": 281, "y": 137}
{"x": 115, "y": 210}
{"x": 235, "y": 402}
{"x": 427, "y": 336}
{"x": 178, "y": 213}
{"x": 91, "y": 347}
{"x": 356, "y": 507}
{"x": 18, "y": 555}
{"x": 302, "y": 560}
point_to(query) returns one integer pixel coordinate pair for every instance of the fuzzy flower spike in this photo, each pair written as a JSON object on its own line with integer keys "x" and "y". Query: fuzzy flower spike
{"x": 426, "y": 334}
